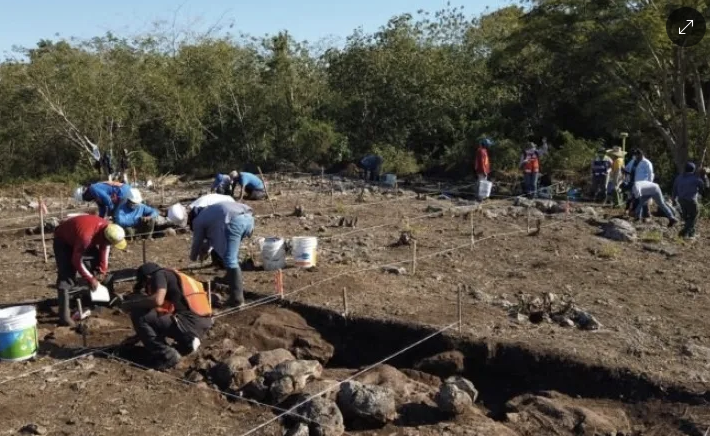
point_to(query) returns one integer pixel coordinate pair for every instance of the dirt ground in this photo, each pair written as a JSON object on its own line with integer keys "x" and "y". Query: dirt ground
{"x": 651, "y": 303}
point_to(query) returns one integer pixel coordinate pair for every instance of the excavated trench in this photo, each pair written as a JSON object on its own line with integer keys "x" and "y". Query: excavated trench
{"x": 502, "y": 371}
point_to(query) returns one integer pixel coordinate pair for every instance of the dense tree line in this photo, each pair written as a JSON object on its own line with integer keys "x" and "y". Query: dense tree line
{"x": 420, "y": 91}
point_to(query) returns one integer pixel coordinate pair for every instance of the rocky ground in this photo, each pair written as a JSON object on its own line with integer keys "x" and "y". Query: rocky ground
{"x": 598, "y": 325}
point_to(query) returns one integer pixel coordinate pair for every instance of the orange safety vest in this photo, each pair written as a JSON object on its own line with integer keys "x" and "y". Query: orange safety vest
{"x": 194, "y": 293}
{"x": 533, "y": 163}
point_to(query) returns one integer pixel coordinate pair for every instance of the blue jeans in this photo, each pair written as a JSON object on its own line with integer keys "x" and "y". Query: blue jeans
{"x": 238, "y": 228}
{"x": 530, "y": 183}
{"x": 658, "y": 199}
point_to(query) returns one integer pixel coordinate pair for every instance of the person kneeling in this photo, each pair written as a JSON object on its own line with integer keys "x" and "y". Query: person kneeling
{"x": 135, "y": 217}
{"x": 174, "y": 306}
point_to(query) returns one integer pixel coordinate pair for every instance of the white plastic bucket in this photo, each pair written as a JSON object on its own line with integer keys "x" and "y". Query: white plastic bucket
{"x": 389, "y": 179}
{"x": 18, "y": 333}
{"x": 273, "y": 254}
{"x": 305, "y": 251}
{"x": 484, "y": 189}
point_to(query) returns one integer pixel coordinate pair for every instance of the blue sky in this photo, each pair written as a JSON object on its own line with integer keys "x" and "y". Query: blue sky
{"x": 27, "y": 21}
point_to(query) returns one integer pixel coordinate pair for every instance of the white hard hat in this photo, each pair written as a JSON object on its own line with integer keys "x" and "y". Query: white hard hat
{"x": 79, "y": 194}
{"x": 177, "y": 214}
{"x": 233, "y": 175}
{"x": 135, "y": 196}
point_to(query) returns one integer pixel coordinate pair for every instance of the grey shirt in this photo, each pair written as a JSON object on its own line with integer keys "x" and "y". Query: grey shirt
{"x": 211, "y": 224}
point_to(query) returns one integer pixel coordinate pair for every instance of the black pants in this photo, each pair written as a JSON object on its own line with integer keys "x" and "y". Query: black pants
{"x": 66, "y": 273}
{"x": 689, "y": 212}
{"x": 153, "y": 328}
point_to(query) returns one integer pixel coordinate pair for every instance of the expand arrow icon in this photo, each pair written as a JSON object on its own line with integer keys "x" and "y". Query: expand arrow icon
{"x": 680, "y": 31}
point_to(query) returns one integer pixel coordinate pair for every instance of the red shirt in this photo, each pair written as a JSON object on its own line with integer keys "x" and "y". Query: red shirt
{"x": 83, "y": 232}
{"x": 482, "y": 165}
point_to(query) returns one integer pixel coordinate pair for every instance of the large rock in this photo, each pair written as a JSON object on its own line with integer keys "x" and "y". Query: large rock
{"x": 282, "y": 328}
{"x": 456, "y": 395}
{"x": 367, "y": 405}
{"x": 404, "y": 387}
{"x": 523, "y": 202}
{"x": 223, "y": 373}
{"x": 548, "y": 206}
{"x": 268, "y": 360}
{"x": 620, "y": 230}
{"x": 322, "y": 417}
{"x": 291, "y": 377}
{"x": 554, "y": 413}
{"x": 443, "y": 364}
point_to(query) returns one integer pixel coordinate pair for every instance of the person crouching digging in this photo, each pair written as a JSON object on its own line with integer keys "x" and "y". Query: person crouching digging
{"x": 135, "y": 217}
{"x": 224, "y": 225}
{"x": 174, "y": 306}
{"x": 75, "y": 240}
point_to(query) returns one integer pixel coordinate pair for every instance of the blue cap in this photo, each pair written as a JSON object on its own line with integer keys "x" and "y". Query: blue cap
{"x": 690, "y": 167}
{"x": 486, "y": 142}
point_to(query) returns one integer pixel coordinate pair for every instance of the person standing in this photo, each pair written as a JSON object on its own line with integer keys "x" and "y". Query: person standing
{"x": 686, "y": 190}
{"x": 76, "y": 239}
{"x": 372, "y": 166}
{"x": 174, "y": 306}
{"x": 644, "y": 191}
{"x": 224, "y": 226}
{"x": 124, "y": 165}
{"x": 601, "y": 167}
{"x": 616, "y": 177}
{"x": 530, "y": 164}
{"x": 482, "y": 164}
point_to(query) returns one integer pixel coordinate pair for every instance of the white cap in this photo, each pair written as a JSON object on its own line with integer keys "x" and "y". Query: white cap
{"x": 233, "y": 175}
{"x": 79, "y": 194}
{"x": 177, "y": 214}
{"x": 135, "y": 196}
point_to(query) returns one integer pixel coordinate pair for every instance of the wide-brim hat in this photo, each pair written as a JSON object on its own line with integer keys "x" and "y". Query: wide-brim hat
{"x": 616, "y": 151}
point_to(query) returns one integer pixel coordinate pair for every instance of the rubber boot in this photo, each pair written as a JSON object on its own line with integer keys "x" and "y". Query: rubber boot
{"x": 236, "y": 289}
{"x": 64, "y": 310}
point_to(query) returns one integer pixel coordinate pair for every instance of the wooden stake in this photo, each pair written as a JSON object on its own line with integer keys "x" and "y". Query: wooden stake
{"x": 460, "y": 309}
{"x": 414, "y": 257}
{"x": 473, "y": 240}
{"x": 278, "y": 282}
{"x": 145, "y": 255}
{"x": 538, "y": 225}
{"x": 528, "y": 220}
{"x": 345, "y": 301}
{"x": 41, "y": 228}
{"x": 209, "y": 293}
{"x": 162, "y": 194}
{"x": 263, "y": 181}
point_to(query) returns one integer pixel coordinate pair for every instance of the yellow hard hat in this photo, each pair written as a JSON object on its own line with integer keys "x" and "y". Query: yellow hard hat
{"x": 116, "y": 236}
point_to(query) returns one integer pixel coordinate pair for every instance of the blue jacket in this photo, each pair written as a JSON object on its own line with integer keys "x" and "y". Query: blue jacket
{"x": 249, "y": 179}
{"x": 126, "y": 216}
{"x": 687, "y": 186}
{"x": 108, "y": 196}
{"x": 371, "y": 162}
{"x": 211, "y": 224}
{"x": 223, "y": 181}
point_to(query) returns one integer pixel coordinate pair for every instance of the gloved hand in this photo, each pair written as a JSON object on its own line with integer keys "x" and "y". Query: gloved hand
{"x": 94, "y": 283}
{"x": 146, "y": 219}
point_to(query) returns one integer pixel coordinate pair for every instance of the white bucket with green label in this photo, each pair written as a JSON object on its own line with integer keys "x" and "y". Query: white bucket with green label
{"x": 18, "y": 333}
